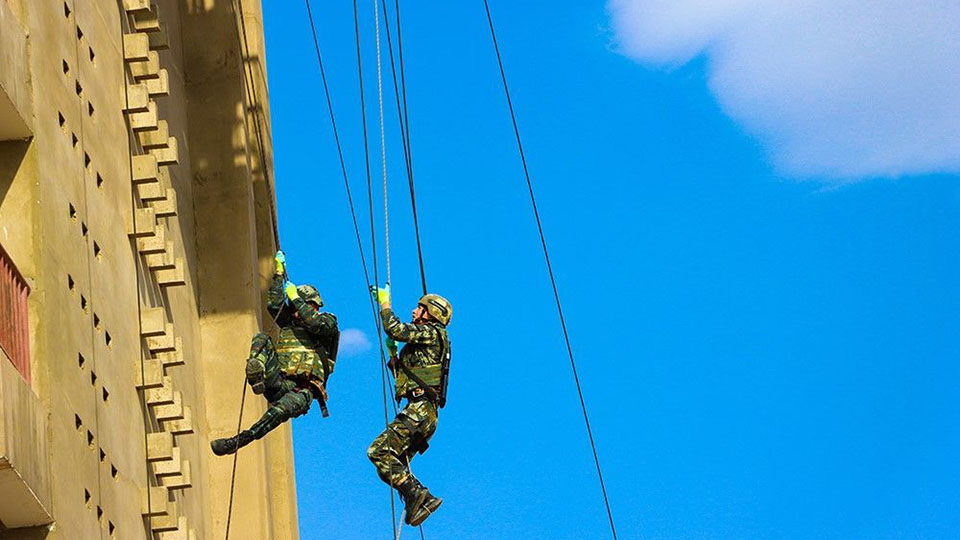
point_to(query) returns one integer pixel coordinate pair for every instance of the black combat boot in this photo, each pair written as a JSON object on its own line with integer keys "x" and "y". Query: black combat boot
{"x": 427, "y": 507}
{"x": 413, "y": 495}
{"x": 230, "y": 445}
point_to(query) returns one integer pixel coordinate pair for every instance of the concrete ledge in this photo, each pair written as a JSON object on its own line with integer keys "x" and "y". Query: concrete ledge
{"x": 16, "y": 103}
{"x": 24, "y": 480}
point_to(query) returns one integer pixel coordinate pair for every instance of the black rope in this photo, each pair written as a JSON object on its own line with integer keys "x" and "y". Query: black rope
{"x": 233, "y": 474}
{"x": 400, "y": 92}
{"x": 373, "y": 229}
{"x": 243, "y": 399}
{"x": 356, "y": 227}
{"x": 396, "y": 87}
{"x": 250, "y": 85}
{"x": 546, "y": 256}
{"x": 250, "y": 88}
{"x": 407, "y": 148}
{"x": 404, "y": 137}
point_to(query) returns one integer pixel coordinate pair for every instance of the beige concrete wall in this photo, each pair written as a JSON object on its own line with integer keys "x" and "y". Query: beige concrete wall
{"x": 233, "y": 274}
{"x": 15, "y": 99}
{"x": 67, "y": 206}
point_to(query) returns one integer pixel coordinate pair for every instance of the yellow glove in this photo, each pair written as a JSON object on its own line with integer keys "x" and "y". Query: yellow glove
{"x": 291, "y": 290}
{"x": 383, "y": 295}
{"x": 281, "y": 261}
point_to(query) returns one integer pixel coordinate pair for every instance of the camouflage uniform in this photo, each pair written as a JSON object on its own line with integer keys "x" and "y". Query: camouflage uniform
{"x": 295, "y": 370}
{"x": 413, "y": 427}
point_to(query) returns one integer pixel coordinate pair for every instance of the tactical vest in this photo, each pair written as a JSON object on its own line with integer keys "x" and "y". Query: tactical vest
{"x": 303, "y": 354}
{"x": 433, "y": 375}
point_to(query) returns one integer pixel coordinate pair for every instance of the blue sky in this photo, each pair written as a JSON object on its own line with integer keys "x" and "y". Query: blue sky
{"x": 764, "y": 353}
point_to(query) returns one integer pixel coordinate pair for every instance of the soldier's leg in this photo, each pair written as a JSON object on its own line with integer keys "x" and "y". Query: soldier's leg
{"x": 262, "y": 364}
{"x": 421, "y": 419}
{"x": 291, "y": 404}
{"x": 389, "y": 454}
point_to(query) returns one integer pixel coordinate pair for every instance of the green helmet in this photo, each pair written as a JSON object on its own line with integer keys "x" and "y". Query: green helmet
{"x": 438, "y": 307}
{"x": 309, "y": 293}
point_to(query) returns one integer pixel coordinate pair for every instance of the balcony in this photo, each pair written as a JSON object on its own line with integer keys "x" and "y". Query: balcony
{"x": 14, "y": 330}
{"x": 24, "y": 482}
{"x": 24, "y": 488}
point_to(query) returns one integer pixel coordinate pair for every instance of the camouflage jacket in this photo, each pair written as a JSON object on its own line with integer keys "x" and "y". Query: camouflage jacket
{"x": 422, "y": 353}
{"x": 308, "y": 340}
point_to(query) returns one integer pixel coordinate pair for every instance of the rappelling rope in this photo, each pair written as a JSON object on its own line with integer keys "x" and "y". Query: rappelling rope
{"x": 383, "y": 142}
{"x": 404, "y": 132}
{"x": 233, "y": 473}
{"x": 401, "y": 92}
{"x": 356, "y": 227}
{"x": 546, "y": 256}
{"x": 250, "y": 89}
{"x": 250, "y": 86}
{"x": 243, "y": 399}
{"x": 373, "y": 231}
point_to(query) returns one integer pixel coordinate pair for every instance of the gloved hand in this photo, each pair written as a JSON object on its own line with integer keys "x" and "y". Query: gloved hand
{"x": 291, "y": 290}
{"x": 281, "y": 261}
{"x": 391, "y": 346}
{"x": 383, "y": 295}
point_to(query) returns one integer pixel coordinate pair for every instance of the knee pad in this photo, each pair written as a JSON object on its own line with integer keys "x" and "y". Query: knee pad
{"x": 259, "y": 342}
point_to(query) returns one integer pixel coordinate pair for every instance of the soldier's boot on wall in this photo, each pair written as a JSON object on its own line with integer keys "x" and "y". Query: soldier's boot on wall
{"x": 413, "y": 495}
{"x": 230, "y": 445}
{"x": 427, "y": 507}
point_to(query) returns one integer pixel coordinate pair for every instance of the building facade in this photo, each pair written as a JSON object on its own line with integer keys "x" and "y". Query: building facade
{"x": 137, "y": 228}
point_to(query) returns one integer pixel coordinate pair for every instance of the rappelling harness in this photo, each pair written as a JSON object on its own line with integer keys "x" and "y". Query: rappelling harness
{"x": 431, "y": 380}
{"x": 314, "y": 373}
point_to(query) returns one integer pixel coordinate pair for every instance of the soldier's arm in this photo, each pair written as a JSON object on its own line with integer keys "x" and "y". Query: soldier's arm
{"x": 407, "y": 333}
{"x": 320, "y": 323}
{"x": 275, "y": 295}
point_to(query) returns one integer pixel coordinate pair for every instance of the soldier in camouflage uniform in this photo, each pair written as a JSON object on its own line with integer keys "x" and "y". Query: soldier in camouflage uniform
{"x": 294, "y": 372}
{"x": 421, "y": 373}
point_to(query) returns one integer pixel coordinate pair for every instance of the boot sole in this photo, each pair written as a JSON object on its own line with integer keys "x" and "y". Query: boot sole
{"x": 226, "y": 451}
{"x": 424, "y": 512}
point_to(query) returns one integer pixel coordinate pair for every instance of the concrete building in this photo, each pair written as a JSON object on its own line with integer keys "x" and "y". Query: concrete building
{"x": 137, "y": 233}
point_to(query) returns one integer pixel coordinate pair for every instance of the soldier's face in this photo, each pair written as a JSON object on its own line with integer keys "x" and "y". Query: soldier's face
{"x": 420, "y": 314}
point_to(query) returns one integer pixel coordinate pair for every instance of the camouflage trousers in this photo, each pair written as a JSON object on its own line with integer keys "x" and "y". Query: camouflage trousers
{"x": 408, "y": 434}
{"x": 286, "y": 400}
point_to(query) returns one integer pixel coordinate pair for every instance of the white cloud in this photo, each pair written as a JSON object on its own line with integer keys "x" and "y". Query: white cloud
{"x": 353, "y": 341}
{"x": 837, "y": 88}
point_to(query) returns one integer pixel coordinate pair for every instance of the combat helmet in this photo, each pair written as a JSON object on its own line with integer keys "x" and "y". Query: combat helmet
{"x": 309, "y": 293}
{"x": 438, "y": 307}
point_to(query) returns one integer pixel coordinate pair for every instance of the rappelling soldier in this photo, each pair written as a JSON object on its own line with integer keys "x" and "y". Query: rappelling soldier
{"x": 293, "y": 372}
{"x": 421, "y": 371}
